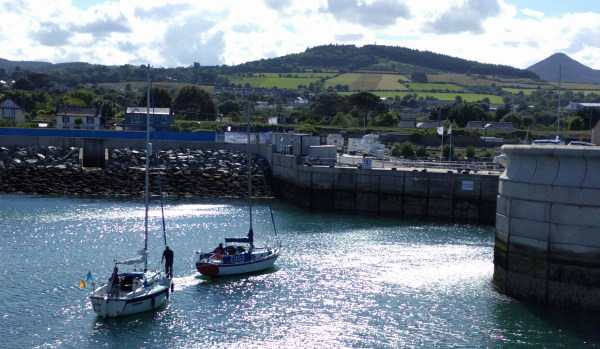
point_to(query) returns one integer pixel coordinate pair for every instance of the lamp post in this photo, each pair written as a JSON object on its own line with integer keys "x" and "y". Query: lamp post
{"x": 484, "y": 133}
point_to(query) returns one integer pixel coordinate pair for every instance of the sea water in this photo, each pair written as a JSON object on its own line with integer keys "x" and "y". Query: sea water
{"x": 342, "y": 281}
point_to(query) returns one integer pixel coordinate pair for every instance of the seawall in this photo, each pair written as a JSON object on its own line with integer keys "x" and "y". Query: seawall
{"x": 547, "y": 244}
{"x": 402, "y": 192}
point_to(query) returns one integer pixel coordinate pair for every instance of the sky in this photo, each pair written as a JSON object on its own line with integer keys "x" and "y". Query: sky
{"x": 174, "y": 33}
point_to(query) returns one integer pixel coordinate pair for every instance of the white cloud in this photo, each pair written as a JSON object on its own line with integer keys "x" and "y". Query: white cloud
{"x": 173, "y": 33}
{"x": 532, "y": 13}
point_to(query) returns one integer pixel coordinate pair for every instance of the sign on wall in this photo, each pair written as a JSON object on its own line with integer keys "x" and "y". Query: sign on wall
{"x": 467, "y": 185}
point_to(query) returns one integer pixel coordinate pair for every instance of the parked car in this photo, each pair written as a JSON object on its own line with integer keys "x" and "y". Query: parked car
{"x": 548, "y": 142}
{"x": 585, "y": 144}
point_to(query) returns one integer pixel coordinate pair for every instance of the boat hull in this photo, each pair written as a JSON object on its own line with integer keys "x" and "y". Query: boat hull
{"x": 220, "y": 269}
{"x": 109, "y": 306}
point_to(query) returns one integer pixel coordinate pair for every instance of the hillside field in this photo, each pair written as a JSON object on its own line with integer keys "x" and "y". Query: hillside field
{"x": 432, "y": 86}
{"x": 467, "y": 97}
{"x": 574, "y": 86}
{"x": 289, "y": 83}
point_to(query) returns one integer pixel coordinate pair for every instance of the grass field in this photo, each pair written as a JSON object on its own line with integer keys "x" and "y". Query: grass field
{"x": 344, "y": 79}
{"x": 467, "y": 97}
{"x": 433, "y": 86}
{"x": 290, "y": 83}
{"x": 574, "y": 86}
{"x": 390, "y": 82}
{"x": 511, "y": 84}
{"x": 460, "y": 79}
{"x": 325, "y": 75}
{"x": 366, "y": 82}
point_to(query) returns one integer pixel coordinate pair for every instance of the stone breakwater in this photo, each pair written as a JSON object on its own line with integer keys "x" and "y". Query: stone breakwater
{"x": 184, "y": 172}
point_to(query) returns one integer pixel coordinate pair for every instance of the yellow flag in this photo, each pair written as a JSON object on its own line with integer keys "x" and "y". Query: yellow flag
{"x": 82, "y": 284}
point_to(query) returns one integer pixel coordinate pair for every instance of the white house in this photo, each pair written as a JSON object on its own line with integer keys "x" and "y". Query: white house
{"x": 10, "y": 110}
{"x": 66, "y": 115}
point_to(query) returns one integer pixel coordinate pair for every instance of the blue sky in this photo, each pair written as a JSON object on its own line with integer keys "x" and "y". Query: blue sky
{"x": 172, "y": 33}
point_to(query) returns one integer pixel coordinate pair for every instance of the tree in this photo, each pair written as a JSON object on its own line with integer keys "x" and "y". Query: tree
{"x": 577, "y": 124}
{"x": 128, "y": 87}
{"x": 78, "y": 121}
{"x": 195, "y": 104}
{"x": 24, "y": 84}
{"x": 329, "y": 104}
{"x": 387, "y": 119}
{"x": 513, "y": 117}
{"x": 160, "y": 98}
{"x": 465, "y": 113}
{"x": 418, "y": 77}
{"x": 367, "y": 102}
{"x": 228, "y": 107}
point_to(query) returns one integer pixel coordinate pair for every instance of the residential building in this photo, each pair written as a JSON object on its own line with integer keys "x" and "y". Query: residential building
{"x": 578, "y": 106}
{"x": 161, "y": 119}
{"x": 66, "y": 116}
{"x": 10, "y": 110}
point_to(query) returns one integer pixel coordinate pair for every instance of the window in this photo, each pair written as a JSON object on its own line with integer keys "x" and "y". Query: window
{"x": 164, "y": 119}
{"x": 65, "y": 119}
{"x": 136, "y": 118}
{"x": 8, "y": 113}
{"x": 90, "y": 120}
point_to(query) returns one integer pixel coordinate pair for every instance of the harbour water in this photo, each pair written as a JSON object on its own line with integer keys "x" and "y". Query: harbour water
{"x": 343, "y": 281}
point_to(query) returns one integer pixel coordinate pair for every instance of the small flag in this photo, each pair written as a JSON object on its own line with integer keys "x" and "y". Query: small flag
{"x": 89, "y": 276}
{"x": 440, "y": 130}
{"x": 82, "y": 284}
{"x": 450, "y": 130}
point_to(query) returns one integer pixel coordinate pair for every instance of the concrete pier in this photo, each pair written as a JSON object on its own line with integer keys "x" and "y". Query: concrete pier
{"x": 402, "y": 192}
{"x": 547, "y": 245}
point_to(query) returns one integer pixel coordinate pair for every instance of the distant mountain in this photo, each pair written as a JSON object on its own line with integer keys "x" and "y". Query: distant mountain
{"x": 571, "y": 70}
{"x": 30, "y": 65}
{"x": 352, "y": 58}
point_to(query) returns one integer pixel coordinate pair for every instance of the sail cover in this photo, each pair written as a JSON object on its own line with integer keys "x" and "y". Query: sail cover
{"x": 248, "y": 239}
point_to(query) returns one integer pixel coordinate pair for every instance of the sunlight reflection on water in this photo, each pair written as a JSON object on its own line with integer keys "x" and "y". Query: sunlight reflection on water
{"x": 342, "y": 281}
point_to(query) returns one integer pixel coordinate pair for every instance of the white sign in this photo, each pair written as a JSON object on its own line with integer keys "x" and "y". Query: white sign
{"x": 467, "y": 185}
{"x": 367, "y": 163}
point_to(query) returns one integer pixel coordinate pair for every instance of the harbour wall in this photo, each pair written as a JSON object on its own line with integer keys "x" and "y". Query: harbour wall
{"x": 397, "y": 192}
{"x": 547, "y": 236}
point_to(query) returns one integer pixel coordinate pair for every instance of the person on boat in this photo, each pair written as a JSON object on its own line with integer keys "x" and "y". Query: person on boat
{"x": 168, "y": 255}
{"x": 219, "y": 251}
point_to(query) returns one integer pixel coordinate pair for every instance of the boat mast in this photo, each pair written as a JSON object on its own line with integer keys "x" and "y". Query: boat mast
{"x": 559, "y": 106}
{"x": 249, "y": 166}
{"x": 148, "y": 151}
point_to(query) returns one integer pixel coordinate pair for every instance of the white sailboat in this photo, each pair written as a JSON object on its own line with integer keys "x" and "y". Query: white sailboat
{"x": 239, "y": 255}
{"x": 139, "y": 289}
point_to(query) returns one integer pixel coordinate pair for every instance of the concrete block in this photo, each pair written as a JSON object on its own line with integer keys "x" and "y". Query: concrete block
{"x": 526, "y": 265}
{"x": 546, "y": 166}
{"x": 527, "y": 165}
{"x": 535, "y": 211}
{"x": 322, "y": 181}
{"x": 575, "y": 215}
{"x": 369, "y": 182}
{"x": 441, "y": 187}
{"x": 575, "y": 254}
{"x": 570, "y": 295}
{"x": 528, "y": 247}
{"x": 501, "y": 237}
{"x": 392, "y": 184}
{"x": 592, "y": 158}
{"x": 575, "y": 235}
{"x": 572, "y": 167}
{"x": 502, "y": 223}
{"x": 526, "y": 286}
{"x": 529, "y": 229}
{"x": 574, "y": 274}
{"x": 503, "y": 205}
